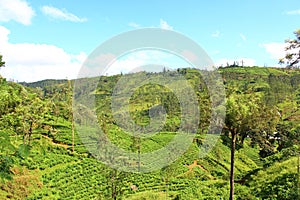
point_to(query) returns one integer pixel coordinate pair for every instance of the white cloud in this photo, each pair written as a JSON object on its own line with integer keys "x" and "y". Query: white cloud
{"x": 216, "y": 34}
{"x": 33, "y": 62}
{"x": 293, "y": 12}
{"x": 61, "y": 14}
{"x": 275, "y": 50}
{"x": 241, "y": 61}
{"x": 165, "y": 25}
{"x": 134, "y": 25}
{"x": 243, "y": 37}
{"x": 4, "y": 32}
{"x": 17, "y": 10}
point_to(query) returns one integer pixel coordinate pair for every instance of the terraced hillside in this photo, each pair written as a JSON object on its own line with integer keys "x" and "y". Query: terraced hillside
{"x": 38, "y": 160}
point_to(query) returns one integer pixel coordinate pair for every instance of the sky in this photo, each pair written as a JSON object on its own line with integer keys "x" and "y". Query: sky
{"x": 51, "y": 39}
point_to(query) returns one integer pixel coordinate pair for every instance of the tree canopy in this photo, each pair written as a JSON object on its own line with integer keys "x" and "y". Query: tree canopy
{"x": 2, "y": 63}
{"x": 292, "y": 56}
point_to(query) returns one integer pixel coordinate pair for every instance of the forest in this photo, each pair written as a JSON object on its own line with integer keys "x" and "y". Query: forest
{"x": 42, "y": 156}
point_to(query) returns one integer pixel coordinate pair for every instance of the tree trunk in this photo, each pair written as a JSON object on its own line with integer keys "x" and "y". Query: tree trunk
{"x": 25, "y": 134}
{"x": 73, "y": 134}
{"x": 167, "y": 190}
{"x": 243, "y": 137}
{"x": 139, "y": 154}
{"x": 113, "y": 186}
{"x": 30, "y": 132}
{"x": 24, "y": 138}
{"x": 233, "y": 141}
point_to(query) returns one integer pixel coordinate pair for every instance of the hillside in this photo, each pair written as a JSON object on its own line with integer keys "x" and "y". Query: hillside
{"x": 38, "y": 160}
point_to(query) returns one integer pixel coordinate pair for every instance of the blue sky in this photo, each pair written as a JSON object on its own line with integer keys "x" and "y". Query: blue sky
{"x": 42, "y": 39}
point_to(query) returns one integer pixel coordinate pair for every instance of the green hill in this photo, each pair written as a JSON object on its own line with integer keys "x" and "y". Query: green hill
{"x": 38, "y": 161}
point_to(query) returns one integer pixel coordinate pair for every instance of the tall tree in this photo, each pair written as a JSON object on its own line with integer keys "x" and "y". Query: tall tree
{"x": 244, "y": 112}
{"x": 70, "y": 105}
{"x": 236, "y": 120}
{"x": 292, "y": 56}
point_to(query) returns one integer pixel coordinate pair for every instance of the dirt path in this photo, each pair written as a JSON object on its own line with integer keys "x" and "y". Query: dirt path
{"x": 195, "y": 164}
{"x": 56, "y": 144}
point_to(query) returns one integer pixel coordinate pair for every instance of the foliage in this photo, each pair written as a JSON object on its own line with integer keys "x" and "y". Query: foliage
{"x": 292, "y": 56}
{"x": 261, "y": 102}
{"x": 2, "y": 63}
{"x": 6, "y": 162}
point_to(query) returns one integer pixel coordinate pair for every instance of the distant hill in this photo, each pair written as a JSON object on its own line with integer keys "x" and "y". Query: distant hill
{"x": 44, "y": 83}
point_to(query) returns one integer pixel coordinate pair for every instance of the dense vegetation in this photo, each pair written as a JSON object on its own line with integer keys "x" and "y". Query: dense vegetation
{"x": 42, "y": 159}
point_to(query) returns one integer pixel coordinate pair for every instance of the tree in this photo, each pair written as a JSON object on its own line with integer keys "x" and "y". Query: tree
{"x": 70, "y": 101}
{"x": 30, "y": 114}
{"x": 237, "y": 115}
{"x": 10, "y": 100}
{"x": 114, "y": 185}
{"x": 31, "y": 118}
{"x": 6, "y": 161}
{"x": 292, "y": 56}
{"x": 244, "y": 112}
{"x": 2, "y": 63}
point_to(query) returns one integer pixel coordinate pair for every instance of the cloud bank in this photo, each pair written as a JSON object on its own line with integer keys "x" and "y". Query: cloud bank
{"x": 32, "y": 62}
